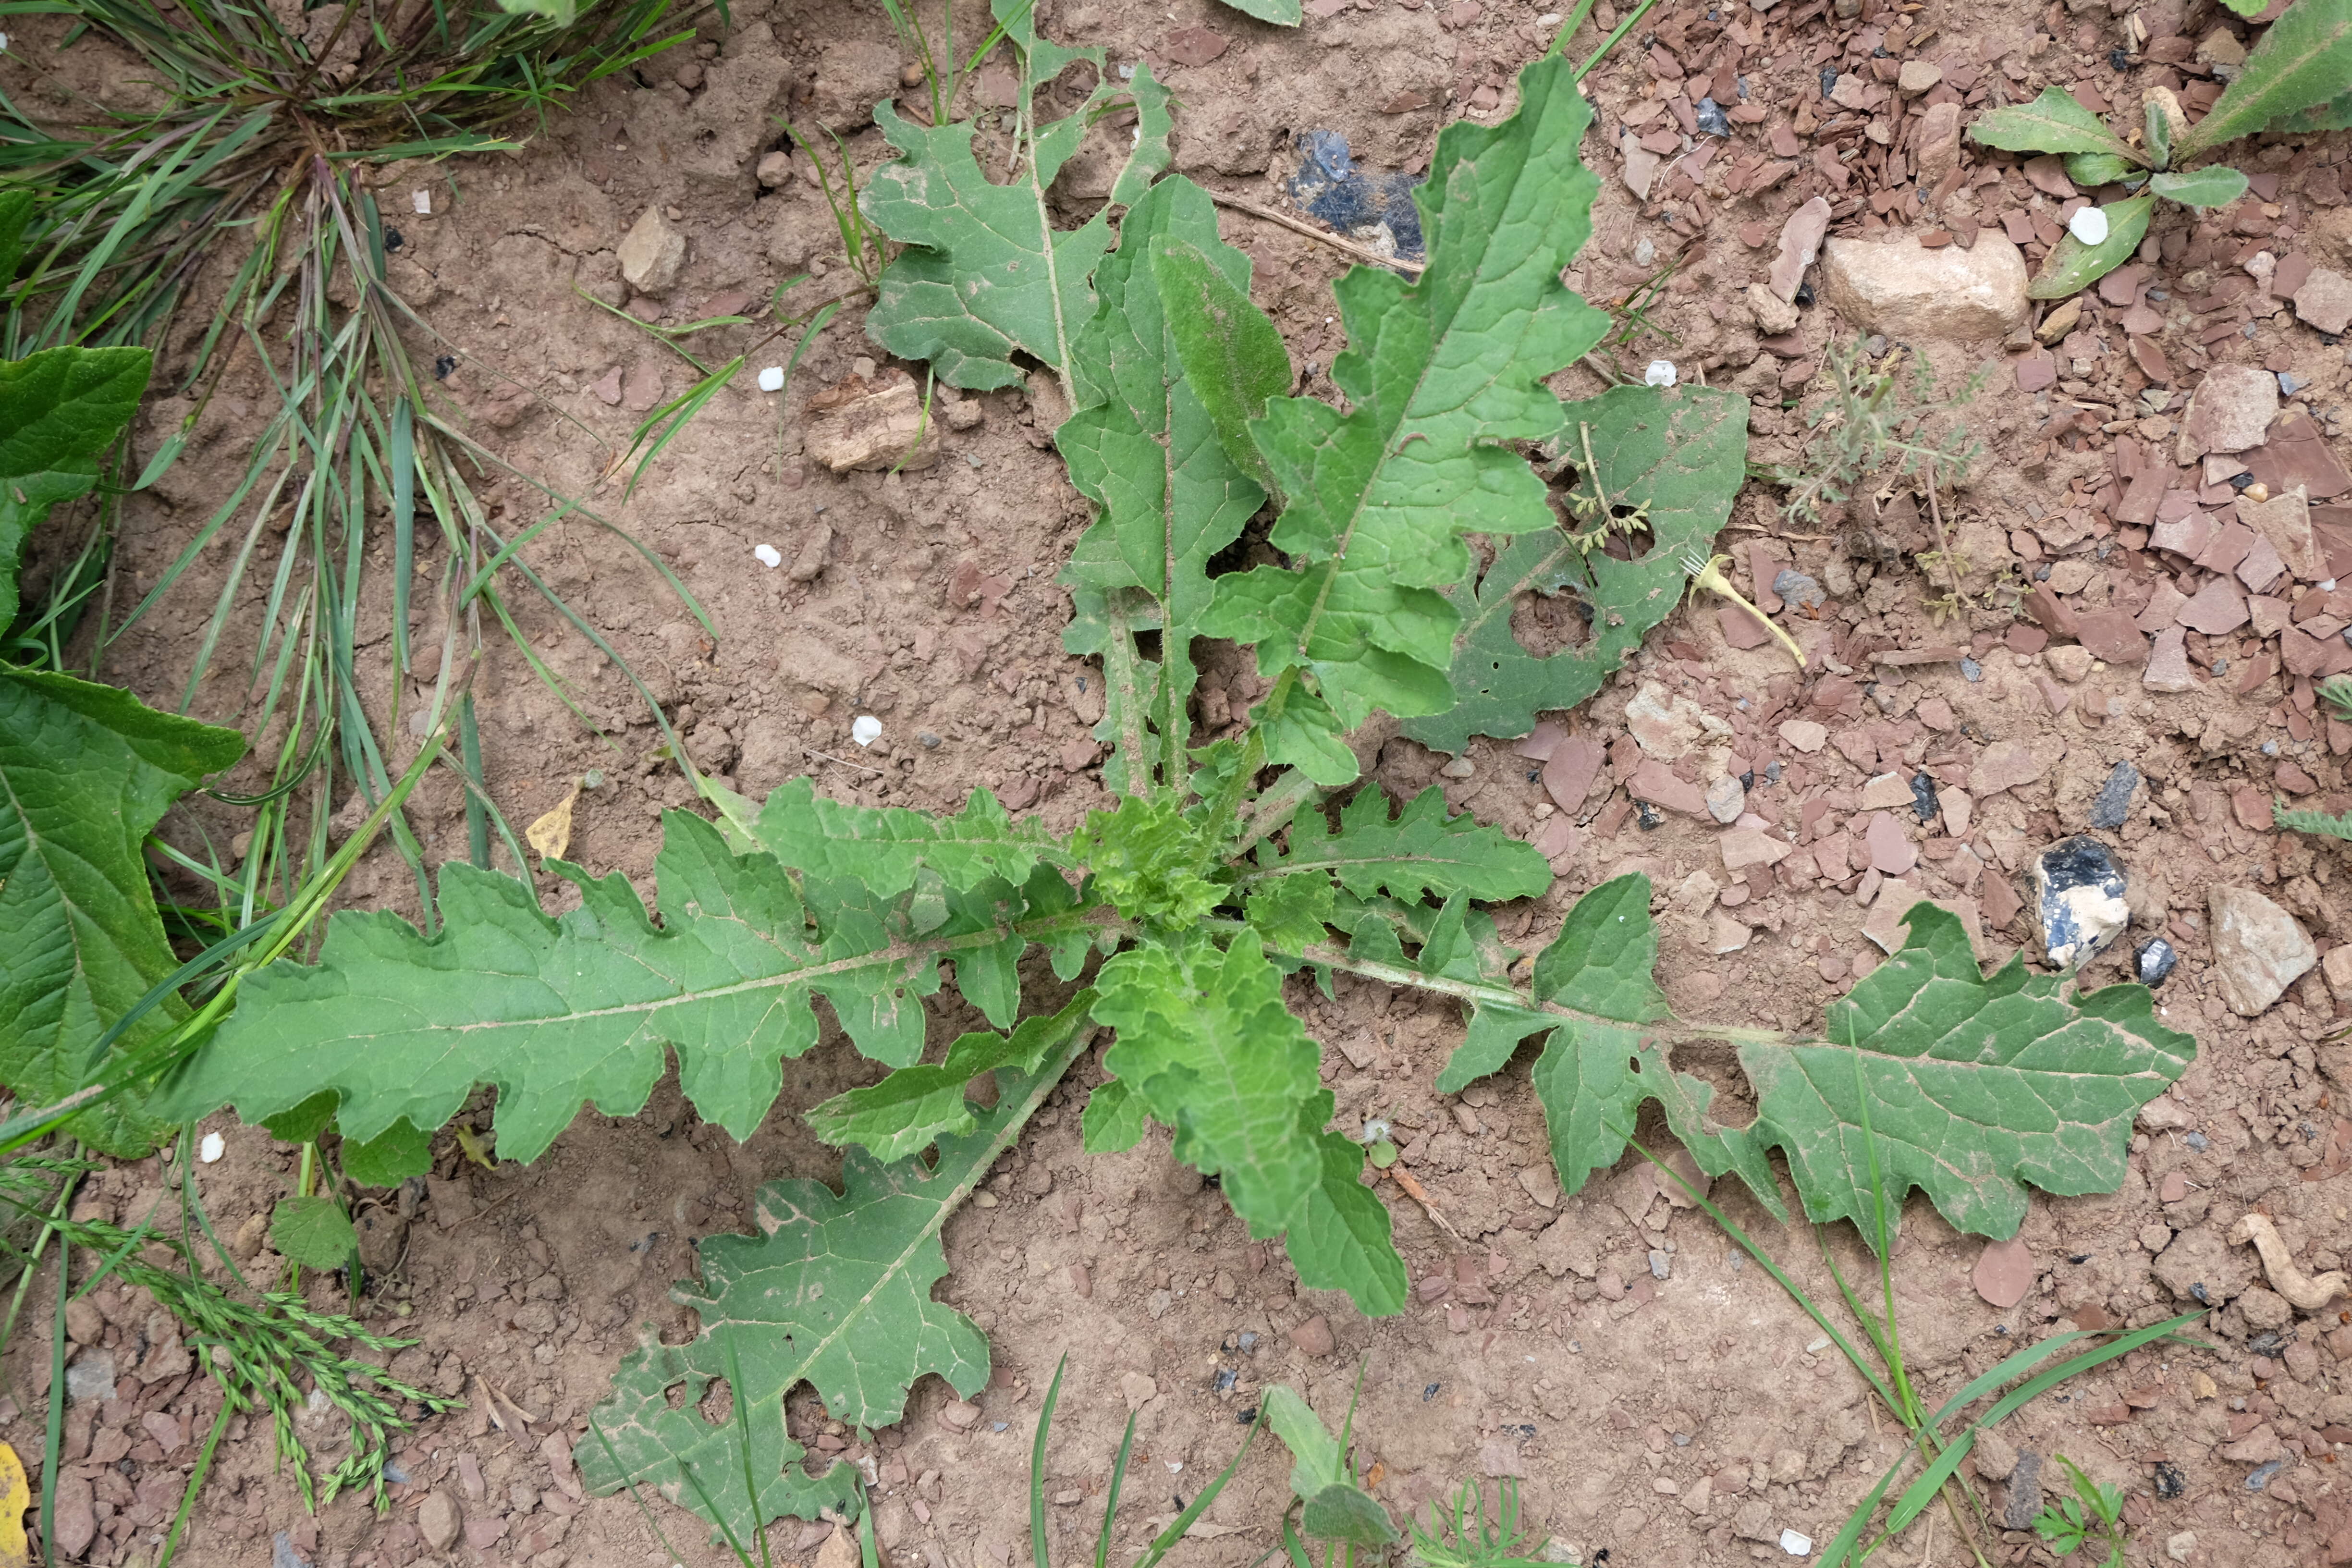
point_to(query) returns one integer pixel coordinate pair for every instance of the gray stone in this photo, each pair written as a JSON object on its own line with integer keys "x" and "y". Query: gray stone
{"x": 2155, "y": 961}
{"x": 1906, "y": 290}
{"x": 2199, "y": 1267}
{"x": 91, "y": 1376}
{"x": 2259, "y": 949}
{"x": 1799, "y": 589}
{"x": 2080, "y": 897}
{"x": 1725, "y": 799}
{"x": 2024, "y": 1504}
{"x": 437, "y": 1520}
{"x": 2113, "y": 803}
{"x": 2231, "y": 410}
{"x": 2324, "y": 300}
{"x": 652, "y": 253}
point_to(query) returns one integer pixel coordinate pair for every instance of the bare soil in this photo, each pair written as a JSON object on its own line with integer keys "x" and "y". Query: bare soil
{"x": 1662, "y": 1403}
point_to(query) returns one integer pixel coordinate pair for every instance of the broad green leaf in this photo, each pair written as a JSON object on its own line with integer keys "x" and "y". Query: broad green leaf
{"x": 1113, "y": 1121}
{"x": 1681, "y": 453}
{"x": 15, "y": 211}
{"x": 835, "y": 1293}
{"x": 1281, "y": 13}
{"x": 1972, "y": 1087}
{"x": 2336, "y": 114}
{"x": 1208, "y": 1047}
{"x": 1343, "y": 1512}
{"x": 2091, "y": 169}
{"x": 1291, "y": 914}
{"x": 312, "y": 1232}
{"x": 1316, "y": 1459}
{"x": 985, "y": 274}
{"x": 1144, "y": 449}
{"x": 585, "y": 1007}
{"x": 2248, "y": 7}
{"x": 390, "y": 1157}
{"x": 2214, "y": 185}
{"x": 1232, "y": 358}
{"x": 902, "y": 1114}
{"x": 885, "y": 847}
{"x": 59, "y": 410}
{"x": 1420, "y": 852}
{"x": 1442, "y": 376}
{"x": 85, "y": 771}
{"x": 2053, "y": 122}
{"x": 2303, "y": 61}
{"x": 2073, "y": 266}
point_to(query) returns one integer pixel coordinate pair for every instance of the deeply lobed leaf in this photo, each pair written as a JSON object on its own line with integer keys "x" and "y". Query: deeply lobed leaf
{"x": 835, "y": 1293}
{"x": 59, "y": 410}
{"x": 85, "y": 771}
{"x": 985, "y": 274}
{"x": 1144, "y": 448}
{"x": 883, "y": 848}
{"x": 1679, "y": 454}
{"x": 1439, "y": 373}
{"x": 1419, "y": 851}
{"x": 559, "y": 1012}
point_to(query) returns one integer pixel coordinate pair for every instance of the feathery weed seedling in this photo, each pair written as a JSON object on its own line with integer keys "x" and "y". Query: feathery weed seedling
{"x": 1459, "y": 1536}
{"x": 2337, "y": 693}
{"x": 2093, "y": 1516}
{"x": 1875, "y": 424}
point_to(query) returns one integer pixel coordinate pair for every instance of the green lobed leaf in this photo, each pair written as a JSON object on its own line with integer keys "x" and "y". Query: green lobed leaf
{"x": 86, "y": 772}
{"x": 388, "y": 1159}
{"x": 1207, "y": 1045}
{"x": 2053, "y": 122}
{"x": 1232, "y": 358}
{"x": 15, "y": 213}
{"x": 1144, "y": 449}
{"x": 985, "y": 274}
{"x": 2214, "y": 185}
{"x": 1419, "y": 852}
{"x": 885, "y": 847}
{"x": 59, "y": 410}
{"x": 312, "y": 1232}
{"x": 834, "y": 1291}
{"x": 2303, "y": 61}
{"x": 1682, "y": 453}
{"x": 2073, "y": 266}
{"x": 576, "y": 1009}
{"x": 1281, "y": 13}
{"x": 1440, "y": 375}
{"x": 1148, "y": 859}
{"x": 1113, "y": 1121}
{"x": 903, "y": 1113}
{"x": 1291, "y": 914}
{"x": 1974, "y": 1085}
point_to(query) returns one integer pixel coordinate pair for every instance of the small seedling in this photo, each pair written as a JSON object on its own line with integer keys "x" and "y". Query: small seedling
{"x": 2291, "y": 81}
{"x": 1875, "y": 422}
{"x": 2094, "y": 1516}
{"x": 1459, "y": 1535}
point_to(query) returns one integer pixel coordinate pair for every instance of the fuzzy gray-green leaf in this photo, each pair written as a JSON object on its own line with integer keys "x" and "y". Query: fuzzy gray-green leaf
{"x": 2052, "y": 122}
{"x": 2214, "y": 185}
{"x": 1232, "y": 358}
{"x": 2302, "y": 62}
{"x": 2073, "y": 266}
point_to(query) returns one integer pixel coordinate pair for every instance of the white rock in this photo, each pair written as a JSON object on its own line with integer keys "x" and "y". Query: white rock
{"x": 211, "y": 1147}
{"x": 1659, "y": 373}
{"x": 1796, "y": 1545}
{"x": 422, "y": 202}
{"x": 865, "y": 730}
{"x": 772, "y": 379}
{"x": 767, "y": 556}
{"x": 1906, "y": 291}
{"x": 2088, "y": 224}
{"x": 2259, "y": 949}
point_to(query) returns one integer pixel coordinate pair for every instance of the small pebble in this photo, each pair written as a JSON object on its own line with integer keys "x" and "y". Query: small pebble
{"x": 2153, "y": 960}
{"x": 865, "y": 728}
{"x": 1799, "y": 589}
{"x": 1661, "y": 1264}
{"x": 211, "y": 1148}
{"x": 1711, "y": 120}
{"x": 1659, "y": 373}
{"x": 930, "y": 742}
{"x": 767, "y": 556}
{"x": 1971, "y": 671}
{"x": 2113, "y": 802}
{"x": 1923, "y": 797}
{"x": 1459, "y": 768}
{"x": 2260, "y": 1477}
{"x": 772, "y": 379}
{"x": 1725, "y": 799}
{"x": 2088, "y": 224}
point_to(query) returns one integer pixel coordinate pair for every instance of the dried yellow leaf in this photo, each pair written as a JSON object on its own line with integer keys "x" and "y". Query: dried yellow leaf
{"x": 14, "y": 1497}
{"x": 552, "y": 834}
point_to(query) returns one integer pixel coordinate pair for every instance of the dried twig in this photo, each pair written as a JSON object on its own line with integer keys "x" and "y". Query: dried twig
{"x": 1363, "y": 253}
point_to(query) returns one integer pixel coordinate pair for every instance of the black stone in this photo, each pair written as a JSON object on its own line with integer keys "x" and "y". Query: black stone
{"x": 2024, "y": 1505}
{"x": 2113, "y": 803}
{"x": 394, "y": 240}
{"x": 2169, "y": 1482}
{"x": 2155, "y": 961}
{"x": 1711, "y": 120}
{"x": 1647, "y": 814}
{"x": 2066, "y": 868}
{"x": 443, "y": 366}
{"x": 1923, "y": 797}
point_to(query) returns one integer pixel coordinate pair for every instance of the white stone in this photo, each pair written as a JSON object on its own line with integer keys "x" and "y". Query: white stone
{"x": 2259, "y": 949}
{"x": 1659, "y": 373}
{"x": 211, "y": 1147}
{"x": 1796, "y": 1545}
{"x": 772, "y": 379}
{"x": 767, "y": 556}
{"x": 2088, "y": 224}
{"x": 1906, "y": 291}
{"x": 422, "y": 202}
{"x": 865, "y": 730}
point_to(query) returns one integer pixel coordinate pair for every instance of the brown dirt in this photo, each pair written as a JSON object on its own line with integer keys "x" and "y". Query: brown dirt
{"x": 1680, "y": 1420}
